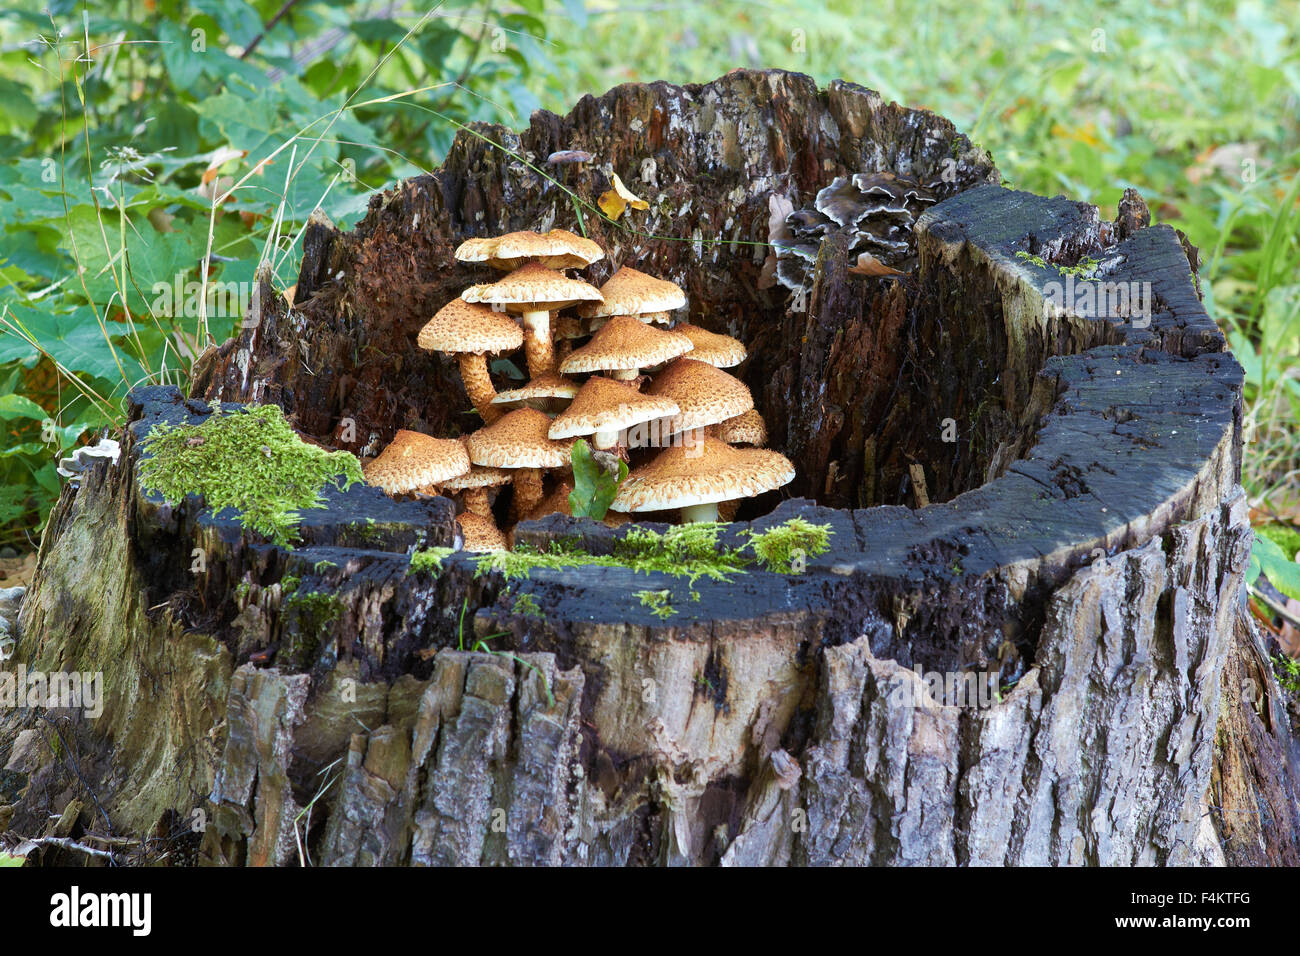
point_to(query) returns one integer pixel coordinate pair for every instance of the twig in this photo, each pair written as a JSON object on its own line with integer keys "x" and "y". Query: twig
{"x": 270, "y": 25}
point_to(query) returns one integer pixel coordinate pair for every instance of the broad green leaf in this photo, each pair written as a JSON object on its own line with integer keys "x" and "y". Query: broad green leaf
{"x": 593, "y": 487}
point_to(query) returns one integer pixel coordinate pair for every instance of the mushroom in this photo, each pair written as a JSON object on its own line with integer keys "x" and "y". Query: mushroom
{"x": 539, "y": 393}
{"x": 566, "y": 330}
{"x": 705, "y": 395}
{"x": 413, "y": 459}
{"x": 623, "y": 347}
{"x": 474, "y": 485}
{"x": 480, "y": 532}
{"x": 557, "y": 502}
{"x": 470, "y": 332}
{"x": 747, "y": 428}
{"x": 629, "y": 292}
{"x": 534, "y": 291}
{"x": 720, "y": 351}
{"x": 557, "y": 249}
{"x": 519, "y": 441}
{"x": 604, "y": 408}
{"x": 696, "y": 478}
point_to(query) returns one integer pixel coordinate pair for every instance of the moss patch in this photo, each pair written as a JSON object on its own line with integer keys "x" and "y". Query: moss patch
{"x": 251, "y": 460}
{"x": 430, "y": 559}
{"x": 689, "y": 551}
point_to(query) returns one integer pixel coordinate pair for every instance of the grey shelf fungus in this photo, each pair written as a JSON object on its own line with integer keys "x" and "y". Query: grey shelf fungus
{"x": 471, "y": 333}
{"x": 695, "y": 478}
{"x": 534, "y": 292}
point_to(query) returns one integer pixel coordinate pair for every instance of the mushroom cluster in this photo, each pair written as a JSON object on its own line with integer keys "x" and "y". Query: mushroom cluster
{"x": 616, "y": 370}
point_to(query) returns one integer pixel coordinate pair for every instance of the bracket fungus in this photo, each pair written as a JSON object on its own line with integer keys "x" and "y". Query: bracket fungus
{"x": 695, "y": 478}
{"x": 534, "y": 291}
{"x": 470, "y": 332}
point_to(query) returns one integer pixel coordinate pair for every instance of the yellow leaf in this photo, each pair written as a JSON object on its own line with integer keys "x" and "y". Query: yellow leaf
{"x": 613, "y": 202}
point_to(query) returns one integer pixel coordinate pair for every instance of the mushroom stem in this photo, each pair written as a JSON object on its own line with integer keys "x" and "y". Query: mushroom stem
{"x": 704, "y": 512}
{"x": 605, "y": 440}
{"x": 624, "y": 374}
{"x": 478, "y": 385}
{"x": 476, "y": 500}
{"x": 537, "y": 343}
{"x": 528, "y": 490}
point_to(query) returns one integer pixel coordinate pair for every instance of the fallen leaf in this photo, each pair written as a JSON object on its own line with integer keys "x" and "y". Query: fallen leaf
{"x": 613, "y": 202}
{"x": 869, "y": 265}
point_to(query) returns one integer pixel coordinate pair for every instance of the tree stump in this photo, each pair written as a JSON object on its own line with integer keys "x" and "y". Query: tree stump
{"x": 1023, "y": 480}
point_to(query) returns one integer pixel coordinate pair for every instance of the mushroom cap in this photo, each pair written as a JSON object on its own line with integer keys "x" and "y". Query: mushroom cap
{"x": 604, "y": 405}
{"x": 683, "y": 475}
{"x": 533, "y": 288}
{"x": 478, "y": 476}
{"x": 557, "y": 249}
{"x": 705, "y": 395}
{"x": 747, "y": 428}
{"x": 622, "y": 343}
{"x": 629, "y": 292}
{"x": 413, "y": 459}
{"x": 546, "y": 385}
{"x": 518, "y": 440}
{"x": 720, "y": 351}
{"x": 567, "y": 327}
{"x": 480, "y": 533}
{"x": 460, "y": 327}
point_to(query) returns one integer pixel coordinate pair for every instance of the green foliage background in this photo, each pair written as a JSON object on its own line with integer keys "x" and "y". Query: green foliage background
{"x": 119, "y": 120}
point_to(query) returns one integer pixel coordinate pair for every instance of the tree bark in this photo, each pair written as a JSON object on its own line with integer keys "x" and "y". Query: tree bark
{"x": 1086, "y": 541}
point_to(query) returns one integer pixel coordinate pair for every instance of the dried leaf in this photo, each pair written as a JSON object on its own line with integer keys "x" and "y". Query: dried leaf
{"x": 613, "y": 202}
{"x": 869, "y": 265}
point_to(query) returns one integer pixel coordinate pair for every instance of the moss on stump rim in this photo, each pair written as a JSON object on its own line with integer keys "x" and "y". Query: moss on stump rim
{"x": 251, "y": 460}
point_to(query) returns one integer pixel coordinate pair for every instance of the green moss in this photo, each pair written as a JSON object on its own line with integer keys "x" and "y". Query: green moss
{"x": 688, "y": 551}
{"x": 316, "y": 611}
{"x": 1036, "y": 260}
{"x": 430, "y": 559}
{"x": 526, "y": 606}
{"x": 289, "y": 583}
{"x": 1085, "y": 267}
{"x": 320, "y": 566}
{"x": 251, "y": 460}
{"x": 787, "y": 546}
{"x": 657, "y": 602}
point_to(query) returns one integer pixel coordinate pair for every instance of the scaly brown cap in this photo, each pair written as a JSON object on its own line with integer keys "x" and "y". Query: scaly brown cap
{"x": 604, "y": 405}
{"x": 625, "y": 343}
{"x": 413, "y": 459}
{"x": 519, "y": 440}
{"x": 460, "y": 327}
{"x": 533, "y": 288}
{"x": 557, "y": 249}
{"x": 705, "y": 395}
{"x": 546, "y": 385}
{"x": 480, "y": 533}
{"x": 720, "y": 351}
{"x": 629, "y": 292}
{"x": 747, "y": 428}
{"x": 686, "y": 475}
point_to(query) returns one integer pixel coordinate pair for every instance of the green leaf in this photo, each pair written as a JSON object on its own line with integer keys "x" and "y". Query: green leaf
{"x": 19, "y": 406}
{"x": 1282, "y": 572}
{"x": 593, "y": 487}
